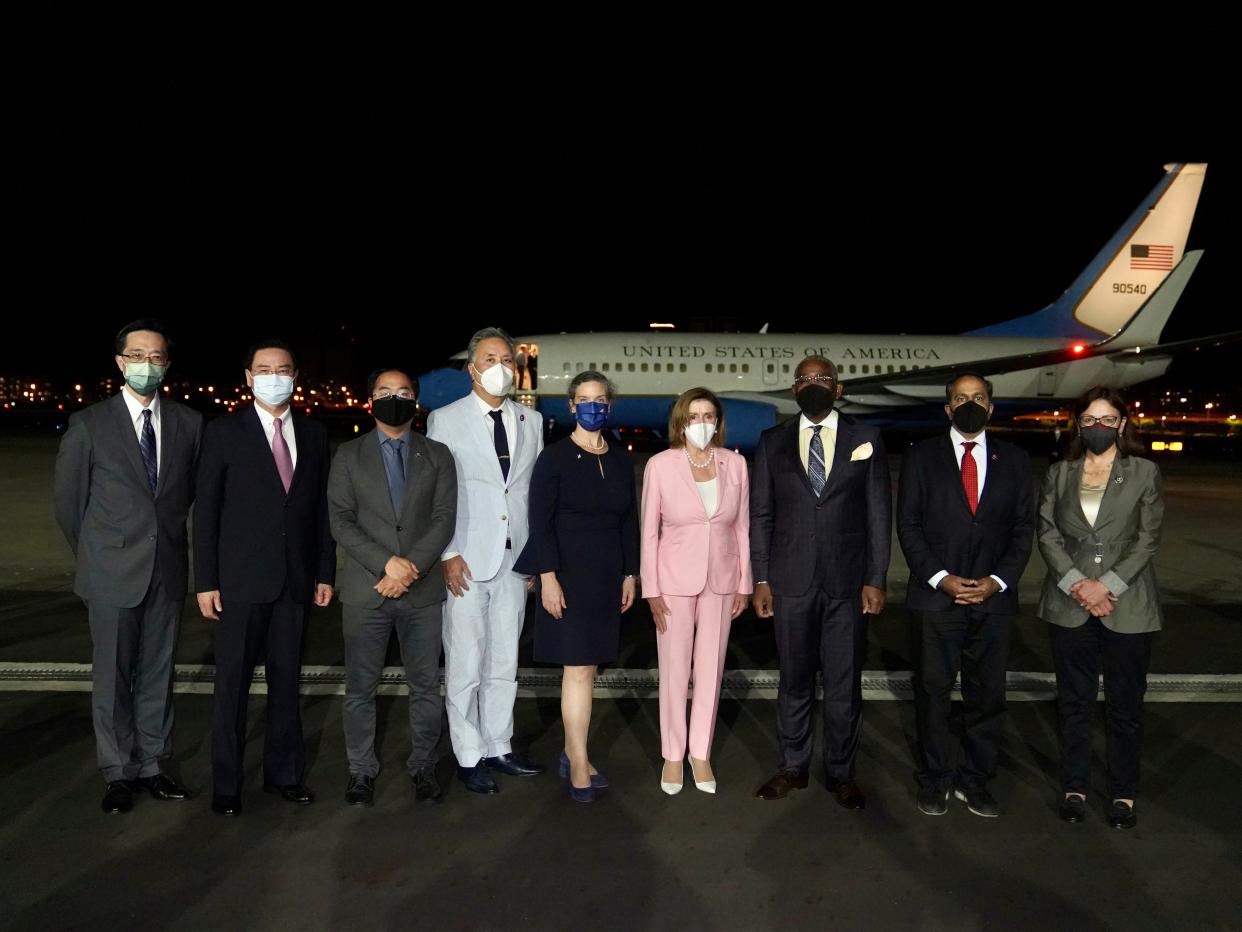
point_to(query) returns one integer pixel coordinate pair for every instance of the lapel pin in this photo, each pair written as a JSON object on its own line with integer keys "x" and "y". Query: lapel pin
{"x": 521, "y": 417}
{"x": 1118, "y": 480}
{"x": 995, "y": 457}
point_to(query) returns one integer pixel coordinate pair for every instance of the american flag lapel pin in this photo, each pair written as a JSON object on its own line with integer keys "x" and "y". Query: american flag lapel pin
{"x": 1118, "y": 480}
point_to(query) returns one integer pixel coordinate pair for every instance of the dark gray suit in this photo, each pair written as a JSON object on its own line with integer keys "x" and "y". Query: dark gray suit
{"x": 817, "y": 552}
{"x": 369, "y": 532}
{"x": 132, "y": 568}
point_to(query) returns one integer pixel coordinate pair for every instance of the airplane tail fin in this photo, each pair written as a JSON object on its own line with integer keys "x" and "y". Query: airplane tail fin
{"x": 1145, "y": 327}
{"x": 1109, "y": 292}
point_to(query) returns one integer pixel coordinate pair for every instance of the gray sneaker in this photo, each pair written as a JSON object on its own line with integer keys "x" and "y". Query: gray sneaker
{"x": 933, "y": 800}
{"x": 979, "y": 801}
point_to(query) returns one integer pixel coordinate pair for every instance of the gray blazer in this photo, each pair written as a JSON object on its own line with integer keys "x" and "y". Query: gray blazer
{"x": 1125, "y": 537}
{"x": 369, "y": 532}
{"x": 118, "y": 530}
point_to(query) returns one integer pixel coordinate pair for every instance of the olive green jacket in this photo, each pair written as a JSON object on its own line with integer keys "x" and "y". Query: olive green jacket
{"x": 1124, "y": 539}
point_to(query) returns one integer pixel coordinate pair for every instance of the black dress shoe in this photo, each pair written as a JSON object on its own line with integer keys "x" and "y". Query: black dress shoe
{"x": 1121, "y": 815}
{"x": 979, "y": 801}
{"x": 226, "y": 805}
{"x": 426, "y": 786}
{"x": 477, "y": 779}
{"x": 847, "y": 793}
{"x": 933, "y": 800}
{"x": 118, "y": 796}
{"x": 162, "y": 786}
{"x": 292, "y": 792}
{"x": 515, "y": 765}
{"x": 1072, "y": 809}
{"x": 361, "y": 790}
{"x": 781, "y": 782}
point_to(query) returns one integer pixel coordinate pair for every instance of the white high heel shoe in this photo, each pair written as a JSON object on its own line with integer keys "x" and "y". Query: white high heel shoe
{"x": 707, "y": 786}
{"x": 673, "y": 788}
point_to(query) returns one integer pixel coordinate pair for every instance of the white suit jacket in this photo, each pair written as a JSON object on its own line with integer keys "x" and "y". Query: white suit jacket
{"x": 490, "y": 510}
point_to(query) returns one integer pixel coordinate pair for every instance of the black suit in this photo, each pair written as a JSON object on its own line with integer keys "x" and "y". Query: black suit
{"x": 817, "y": 552}
{"x": 265, "y": 551}
{"x": 938, "y": 533}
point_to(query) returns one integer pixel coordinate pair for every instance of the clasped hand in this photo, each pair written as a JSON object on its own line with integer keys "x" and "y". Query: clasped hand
{"x": 1094, "y": 596}
{"x": 399, "y": 575}
{"x": 969, "y": 591}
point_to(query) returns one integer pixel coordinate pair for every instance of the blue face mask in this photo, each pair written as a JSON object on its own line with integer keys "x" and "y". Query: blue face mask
{"x": 592, "y": 415}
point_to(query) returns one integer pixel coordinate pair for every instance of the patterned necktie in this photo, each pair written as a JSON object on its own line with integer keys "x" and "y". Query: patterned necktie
{"x": 280, "y": 449}
{"x": 502, "y": 443}
{"x": 394, "y": 469}
{"x": 970, "y": 475}
{"x": 148, "y": 449}
{"x": 815, "y": 462}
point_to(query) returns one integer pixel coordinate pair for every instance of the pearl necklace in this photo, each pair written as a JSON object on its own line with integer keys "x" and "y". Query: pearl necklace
{"x": 711, "y": 456}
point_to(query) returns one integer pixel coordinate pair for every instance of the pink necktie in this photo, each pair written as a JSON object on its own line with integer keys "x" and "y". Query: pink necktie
{"x": 280, "y": 449}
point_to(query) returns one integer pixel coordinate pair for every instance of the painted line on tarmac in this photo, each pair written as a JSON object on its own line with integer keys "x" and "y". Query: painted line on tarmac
{"x": 545, "y": 683}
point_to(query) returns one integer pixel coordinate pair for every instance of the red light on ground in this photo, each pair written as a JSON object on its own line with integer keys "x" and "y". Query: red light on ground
{"x": 1078, "y": 347}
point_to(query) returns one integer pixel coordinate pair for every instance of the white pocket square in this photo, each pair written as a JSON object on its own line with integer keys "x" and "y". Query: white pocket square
{"x": 862, "y": 452}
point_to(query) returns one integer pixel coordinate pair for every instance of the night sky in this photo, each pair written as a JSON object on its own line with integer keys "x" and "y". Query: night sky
{"x": 380, "y": 217}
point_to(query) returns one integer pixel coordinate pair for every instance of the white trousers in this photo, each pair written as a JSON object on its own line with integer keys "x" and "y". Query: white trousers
{"x": 481, "y": 631}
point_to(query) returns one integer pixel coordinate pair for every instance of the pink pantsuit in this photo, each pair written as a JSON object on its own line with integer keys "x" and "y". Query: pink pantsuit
{"x": 697, "y": 563}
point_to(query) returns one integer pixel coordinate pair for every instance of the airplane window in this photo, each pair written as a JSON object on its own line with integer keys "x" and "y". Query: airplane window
{"x": 683, "y": 367}
{"x": 595, "y": 367}
{"x": 580, "y": 367}
{"x": 786, "y": 368}
{"x": 566, "y": 367}
{"x": 866, "y": 368}
{"x": 733, "y": 367}
{"x": 644, "y": 367}
{"x": 605, "y": 369}
{"x": 903, "y": 368}
{"x": 656, "y": 366}
{"x": 631, "y": 367}
{"x": 771, "y": 367}
{"x": 890, "y": 368}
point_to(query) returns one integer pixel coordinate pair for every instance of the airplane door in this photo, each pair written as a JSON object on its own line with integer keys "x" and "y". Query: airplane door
{"x": 1047, "y": 382}
{"x": 770, "y": 373}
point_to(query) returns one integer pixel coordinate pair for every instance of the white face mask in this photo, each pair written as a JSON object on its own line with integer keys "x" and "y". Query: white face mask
{"x": 274, "y": 390}
{"x": 700, "y": 434}
{"x": 496, "y": 381}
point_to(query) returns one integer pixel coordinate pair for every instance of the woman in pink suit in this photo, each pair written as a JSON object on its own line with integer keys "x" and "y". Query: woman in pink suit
{"x": 695, "y": 573}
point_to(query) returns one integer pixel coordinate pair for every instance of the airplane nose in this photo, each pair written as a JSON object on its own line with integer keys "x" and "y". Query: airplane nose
{"x": 442, "y": 386}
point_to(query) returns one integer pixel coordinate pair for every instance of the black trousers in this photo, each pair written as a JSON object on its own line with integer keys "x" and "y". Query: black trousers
{"x": 244, "y": 634}
{"x": 815, "y": 632}
{"x": 1077, "y": 656}
{"x": 976, "y": 644}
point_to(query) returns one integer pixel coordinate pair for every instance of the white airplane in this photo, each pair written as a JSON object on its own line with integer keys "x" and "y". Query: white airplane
{"x": 1104, "y": 330}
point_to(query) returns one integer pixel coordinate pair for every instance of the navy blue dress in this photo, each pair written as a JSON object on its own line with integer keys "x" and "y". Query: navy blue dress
{"x": 583, "y": 527}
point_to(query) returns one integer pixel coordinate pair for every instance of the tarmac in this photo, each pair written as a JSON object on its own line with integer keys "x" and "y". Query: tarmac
{"x": 530, "y": 858}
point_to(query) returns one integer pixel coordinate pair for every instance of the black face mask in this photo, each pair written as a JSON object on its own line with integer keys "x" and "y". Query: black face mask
{"x": 970, "y": 417}
{"x": 1099, "y": 438}
{"x": 394, "y": 411}
{"x": 815, "y": 400}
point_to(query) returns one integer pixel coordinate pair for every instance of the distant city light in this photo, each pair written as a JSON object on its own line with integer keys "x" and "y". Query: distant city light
{"x": 662, "y": 326}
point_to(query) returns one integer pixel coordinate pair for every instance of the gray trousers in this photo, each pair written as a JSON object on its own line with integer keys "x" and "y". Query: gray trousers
{"x": 131, "y": 683}
{"x": 366, "y": 642}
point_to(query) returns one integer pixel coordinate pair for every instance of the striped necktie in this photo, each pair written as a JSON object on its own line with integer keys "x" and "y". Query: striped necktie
{"x": 815, "y": 462}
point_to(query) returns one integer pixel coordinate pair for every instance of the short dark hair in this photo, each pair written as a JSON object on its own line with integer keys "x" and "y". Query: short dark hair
{"x": 948, "y": 386}
{"x": 271, "y": 343}
{"x": 1127, "y": 442}
{"x": 143, "y": 323}
{"x": 374, "y": 377}
{"x": 590, "y": 375}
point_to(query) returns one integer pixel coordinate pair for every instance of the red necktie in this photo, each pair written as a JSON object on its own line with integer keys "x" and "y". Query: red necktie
{"x": 970, "y": 476}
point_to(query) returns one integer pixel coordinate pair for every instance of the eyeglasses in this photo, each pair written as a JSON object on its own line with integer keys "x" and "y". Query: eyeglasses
{"x": 399, "y": 393}
{"x": 137, "y": 356}
{"x": 268, "y": 370}
{"x": 817, "y": 379}
{"x": 1108, "y": 420}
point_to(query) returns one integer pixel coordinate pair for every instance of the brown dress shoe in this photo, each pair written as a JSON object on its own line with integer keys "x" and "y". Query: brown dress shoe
{"x": 847, "y": 793}
{"x": 781, "y": 783}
